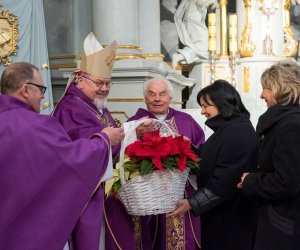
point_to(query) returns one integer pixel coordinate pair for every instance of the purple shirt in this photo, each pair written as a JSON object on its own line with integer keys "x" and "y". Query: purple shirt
{"x": 81, "y": 119}
{"x": 43, "y": 179}
{"x": 134, "y": 232}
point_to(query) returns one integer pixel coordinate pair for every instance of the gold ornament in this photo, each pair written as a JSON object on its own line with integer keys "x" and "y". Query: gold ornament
{"x": 9, "y": 34}
{"x": 247, "y": 47}
{"x": 290, "y": 44}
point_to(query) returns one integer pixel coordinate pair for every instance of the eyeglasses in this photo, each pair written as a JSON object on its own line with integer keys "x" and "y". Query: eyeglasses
{"x": 99, "y": 83}
{"x": 41, "y": 88}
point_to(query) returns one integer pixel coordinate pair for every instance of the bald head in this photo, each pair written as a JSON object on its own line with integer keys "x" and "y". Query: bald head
{"x": 15, "y": 75}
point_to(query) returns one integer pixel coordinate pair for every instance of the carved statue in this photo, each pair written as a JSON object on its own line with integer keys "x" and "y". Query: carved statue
{"x": 247, "y": 46}
{"x": 192, "y": 31}
{"x": 290, "y": 44}
{"x": 295, "y": 2}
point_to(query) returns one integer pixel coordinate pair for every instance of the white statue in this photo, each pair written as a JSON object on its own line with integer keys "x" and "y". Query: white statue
{"x": 295, "y": 2}
{"x": 192, "y": 31}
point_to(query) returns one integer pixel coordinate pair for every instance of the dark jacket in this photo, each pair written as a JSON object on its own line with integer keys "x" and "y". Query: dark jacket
{"x": 228, "y": 218}
{"x": 277, "y": 183}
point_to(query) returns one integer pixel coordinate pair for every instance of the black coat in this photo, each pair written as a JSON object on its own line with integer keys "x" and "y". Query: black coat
{"x": 277, "y": 183}
{"x": 228, "y": 153}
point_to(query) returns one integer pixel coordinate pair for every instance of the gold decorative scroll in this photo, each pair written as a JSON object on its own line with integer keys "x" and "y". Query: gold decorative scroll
{"x": 246, "y": 73}
{"x": 223, "y": 31}
{"x": 290, "y": 44}
{"x": 247, "y": 47}
{"x": 9, "y": 34}
{"x": 120, "y": 113}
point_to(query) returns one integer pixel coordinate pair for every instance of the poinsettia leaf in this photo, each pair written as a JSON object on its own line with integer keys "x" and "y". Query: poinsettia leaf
{"x": 146, "y": 167}
{"x": 192, "y": 164}
{"x": 135, "y": 174}
{"x": 169, "y": 165}
{"x": 116, "y": 186}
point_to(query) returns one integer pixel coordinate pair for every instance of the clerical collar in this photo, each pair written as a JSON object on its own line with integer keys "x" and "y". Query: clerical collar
{"x": 161, "y": 118}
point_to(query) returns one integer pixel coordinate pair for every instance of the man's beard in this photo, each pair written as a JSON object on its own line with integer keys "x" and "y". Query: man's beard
{"x": 100, "y": 103}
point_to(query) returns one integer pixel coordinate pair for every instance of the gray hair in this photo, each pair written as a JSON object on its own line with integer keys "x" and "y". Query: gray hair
{"x": 15, "y": 75}
{"x": 283, "y": 79}
{"x": 170, "y": 88}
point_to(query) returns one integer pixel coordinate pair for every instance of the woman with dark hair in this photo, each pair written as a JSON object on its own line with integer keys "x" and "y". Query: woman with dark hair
{"x": 227, "y": 218}
{"x": 276, "y": 183}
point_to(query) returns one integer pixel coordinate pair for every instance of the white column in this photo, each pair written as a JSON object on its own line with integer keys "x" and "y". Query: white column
{"x": 82, "y": 25}
{"x": 116, "y": 20}
{"x": 149, "y": 26}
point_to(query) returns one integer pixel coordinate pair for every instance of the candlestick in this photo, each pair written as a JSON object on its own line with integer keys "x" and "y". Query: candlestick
{"x": 233, "y": 34}
{"x": 212, "y": 66}
{"x": 233, "y": 64}
{"x": 212, "y": 32}
{"x": 268, "y": 8}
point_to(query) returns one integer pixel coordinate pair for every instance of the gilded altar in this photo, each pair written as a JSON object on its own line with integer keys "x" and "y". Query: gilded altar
{"x": 264, "y": 37}
{"x": 9, "y": 34}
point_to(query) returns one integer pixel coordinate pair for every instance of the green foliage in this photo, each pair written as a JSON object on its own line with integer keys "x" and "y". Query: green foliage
{"x": 146, "y": 167}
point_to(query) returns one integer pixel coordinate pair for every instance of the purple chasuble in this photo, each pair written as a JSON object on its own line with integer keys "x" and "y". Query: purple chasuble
{"x": 43, "y": 177}
{"x": 157, "y": 232}
{"x": 81, "y": 119}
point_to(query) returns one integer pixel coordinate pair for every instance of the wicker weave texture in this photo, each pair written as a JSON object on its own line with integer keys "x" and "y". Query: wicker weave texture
{"x": 154, "y": 193}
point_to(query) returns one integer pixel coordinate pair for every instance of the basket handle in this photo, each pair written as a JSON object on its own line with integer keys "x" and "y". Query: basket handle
{"x": 127, "y": 141}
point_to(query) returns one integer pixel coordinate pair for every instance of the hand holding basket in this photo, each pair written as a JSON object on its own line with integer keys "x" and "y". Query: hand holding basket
{"x": 153, "y": 193}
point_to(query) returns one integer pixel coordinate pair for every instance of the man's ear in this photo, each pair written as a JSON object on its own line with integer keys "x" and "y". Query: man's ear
{"x": 79, "y": 82}
{"x": 24, "y": 91}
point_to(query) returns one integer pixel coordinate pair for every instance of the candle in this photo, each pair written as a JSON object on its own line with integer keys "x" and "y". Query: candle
{"x": 233, "y": 34}
{"x": 212, "y": 32}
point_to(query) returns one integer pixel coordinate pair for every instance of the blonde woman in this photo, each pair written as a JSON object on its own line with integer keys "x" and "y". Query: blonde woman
{"x": 276, "y": 183}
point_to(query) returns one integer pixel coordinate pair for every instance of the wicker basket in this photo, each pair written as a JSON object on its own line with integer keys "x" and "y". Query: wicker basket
{"x": 154, "y": 193}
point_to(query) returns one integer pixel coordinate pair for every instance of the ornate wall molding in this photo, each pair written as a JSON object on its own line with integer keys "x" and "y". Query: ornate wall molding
{"x": 9, "y": 33}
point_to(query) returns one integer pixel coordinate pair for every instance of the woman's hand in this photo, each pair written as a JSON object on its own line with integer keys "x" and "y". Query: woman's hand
{"x": 181, "y": 207}
{"x": 240, "y": 184}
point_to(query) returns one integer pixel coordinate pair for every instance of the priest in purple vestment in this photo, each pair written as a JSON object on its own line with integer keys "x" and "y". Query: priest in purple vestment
{"x": 46, "y": 179}
{"x": 82, "y": 112}
{"x": 182, "y": 231}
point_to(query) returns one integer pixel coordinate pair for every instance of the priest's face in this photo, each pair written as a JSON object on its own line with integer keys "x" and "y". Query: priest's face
{"x": 93, "y": 87}
{"x": 35, "y": 91}
{"x": 102, "y": 93}
{"x": 157, "y": 98}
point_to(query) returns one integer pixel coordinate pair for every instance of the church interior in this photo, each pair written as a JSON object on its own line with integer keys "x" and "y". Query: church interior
{"x": 249, "y": 36}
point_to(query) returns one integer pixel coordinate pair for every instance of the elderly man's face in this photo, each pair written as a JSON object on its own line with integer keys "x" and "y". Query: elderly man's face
{"x": 95, "y": 88}
{"x": 102, "y": 93}
{"x": 157, "y": 98}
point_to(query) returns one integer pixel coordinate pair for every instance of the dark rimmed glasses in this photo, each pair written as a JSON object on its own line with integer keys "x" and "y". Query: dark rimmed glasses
{"x": 41, "y": 88}
{"x": 99, "y": 83}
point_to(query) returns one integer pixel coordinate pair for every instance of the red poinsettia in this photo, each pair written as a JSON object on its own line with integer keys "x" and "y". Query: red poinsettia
{"x": 161, "y": 153}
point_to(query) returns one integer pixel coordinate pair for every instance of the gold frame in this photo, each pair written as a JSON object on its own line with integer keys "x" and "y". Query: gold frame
{"x": 9, "y": 34}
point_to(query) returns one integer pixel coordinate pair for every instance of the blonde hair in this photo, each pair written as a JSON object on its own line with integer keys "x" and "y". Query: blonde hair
{"x": 283, "y": 79}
